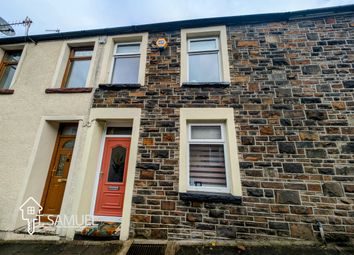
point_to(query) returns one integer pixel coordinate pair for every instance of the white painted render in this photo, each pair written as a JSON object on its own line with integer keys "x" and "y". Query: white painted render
{"x": 29, "y": 122}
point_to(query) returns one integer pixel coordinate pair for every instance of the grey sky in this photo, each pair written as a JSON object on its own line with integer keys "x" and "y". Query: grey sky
{"x": 71, "y": 15}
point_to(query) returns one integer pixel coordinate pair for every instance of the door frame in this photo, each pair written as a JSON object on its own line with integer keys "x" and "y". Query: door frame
{"x": 52, "y": 162}
{"x": 98, "y": 170}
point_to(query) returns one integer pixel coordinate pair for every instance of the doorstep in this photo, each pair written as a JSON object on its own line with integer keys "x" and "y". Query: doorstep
{"x": 99, "y": 231}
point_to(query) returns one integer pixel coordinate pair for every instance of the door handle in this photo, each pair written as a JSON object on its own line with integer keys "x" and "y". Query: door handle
{"x": 62, "y": 180}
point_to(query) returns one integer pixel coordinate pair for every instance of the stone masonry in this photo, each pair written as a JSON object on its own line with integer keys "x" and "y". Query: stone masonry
{"x": 291, "y": 90}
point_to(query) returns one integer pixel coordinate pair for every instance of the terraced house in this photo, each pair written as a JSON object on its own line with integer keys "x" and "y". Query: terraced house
{"x": 223, "y": 128}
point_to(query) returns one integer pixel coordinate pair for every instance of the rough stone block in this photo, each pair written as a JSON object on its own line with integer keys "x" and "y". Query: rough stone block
{"x": 216, "y": 213}
{"x": 138, "y": 199}
{"x": 147, "y": 174}
{"x": 311, "y": 69}
{"x": 332, "y": 189}
{"x": 287, "y": 197}
{"x": 247, "y": 140}
{"x": 316, "y": 114}
{"x": 287, "y": 147}
{"x": 302, "y": 231}
{"x": 194, "y": 217}
{"x": 345, "y": 170}
{"x": 316, "y": 153}
{"x": 348, "y": 148}
{"x": 348, "y": 84}
{"x": 255, "y": 192}
{"x": 160, "y": 153}
{"x": 266, "y": 130}
{"x": 312, "y": 36}
{"x": 247, "y": 43}
{"x": 308, "y": 136}
{"x": 301, "y": 210}
{"x": 226, "y": 231}
{"x": 280, "y": 62}
{"x": 168, "y": 137}
{"x": 157, "y": 233}
{"x": 168, "y": 205}
{"x": 349, "y": 188}
{"x": 293, "y": 168}
{"x": 278, "y": 225}
{"x": 148, "y": 166}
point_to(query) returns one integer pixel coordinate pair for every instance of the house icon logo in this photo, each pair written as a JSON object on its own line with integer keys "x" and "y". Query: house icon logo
{"x": 30, "y": 209}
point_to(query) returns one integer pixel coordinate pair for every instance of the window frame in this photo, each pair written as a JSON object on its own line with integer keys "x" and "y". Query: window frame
{"x": 200, "y": 52}
{"x": 4, "y": 63}
{"x": 210, "y": 115}
{"x": 125, "y": 55}
{"x": 205, "y": 32}
{"x": 222, "y": 141}
{"x": 70, "y": 61}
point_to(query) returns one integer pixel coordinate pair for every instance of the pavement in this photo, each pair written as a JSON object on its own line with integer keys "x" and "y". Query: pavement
{"x": 59, "y": 247}
{"x": 186, "y": 247}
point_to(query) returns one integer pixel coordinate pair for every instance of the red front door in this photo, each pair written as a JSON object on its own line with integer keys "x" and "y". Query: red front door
{"x": 113, "y": 175}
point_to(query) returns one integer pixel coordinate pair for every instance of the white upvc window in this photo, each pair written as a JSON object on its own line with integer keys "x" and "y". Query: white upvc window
{"x": 126, "y": 62}
{"x": 204, "y": 60}
{"x": 207, "y": 158}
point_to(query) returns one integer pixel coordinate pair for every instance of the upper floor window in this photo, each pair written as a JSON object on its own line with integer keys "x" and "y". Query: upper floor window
{"x": 204, "y": 56}
{"x": 77, "y": 67}
{"x": 203, "y": 60}
{"x": 126, "y": 62}
{"x": 8, "y": 67}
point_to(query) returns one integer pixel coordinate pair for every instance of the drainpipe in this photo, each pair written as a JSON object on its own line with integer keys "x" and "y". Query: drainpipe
{"x": 320, "y": 227}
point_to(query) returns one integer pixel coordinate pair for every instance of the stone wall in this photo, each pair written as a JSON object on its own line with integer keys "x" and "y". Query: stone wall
{"x": 291, "y": 90}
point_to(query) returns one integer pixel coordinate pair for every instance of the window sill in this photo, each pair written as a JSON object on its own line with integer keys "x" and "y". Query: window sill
{"x": 211, "y": 197}
{"x": 206, "y": 84}
{"x": 6, "y": 91}
{"x": 119, "y": 86}
{"x": 67, "y": 90}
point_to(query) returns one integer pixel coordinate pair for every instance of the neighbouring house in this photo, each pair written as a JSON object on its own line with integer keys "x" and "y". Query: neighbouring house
{"x": 223, "y": 128}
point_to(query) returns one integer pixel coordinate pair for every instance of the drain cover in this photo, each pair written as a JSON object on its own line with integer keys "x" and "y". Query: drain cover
{"x": 147, "y": 249}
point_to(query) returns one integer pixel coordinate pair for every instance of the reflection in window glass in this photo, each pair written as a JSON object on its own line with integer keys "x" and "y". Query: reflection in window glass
{"x": 83, "y": 53}
{"x": 78, "y": 74}
{"x": 61, "y": 164}
{"x": 128, "y": 49}
{"x": 69, "y": 144}
{"x": 203, "y": 45}
{"x": 78, "y": 67}
{"x": 206, "y": 132}
{"x": 119, "y": 131}
{"x": 126, "y": 70}
{"x": 204, "y": 67}
{"x": 8, "y": 67}
{"x": 116, "y": 164}
{"x": 9, "y": 72}
{"x": 69, "y": 129}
